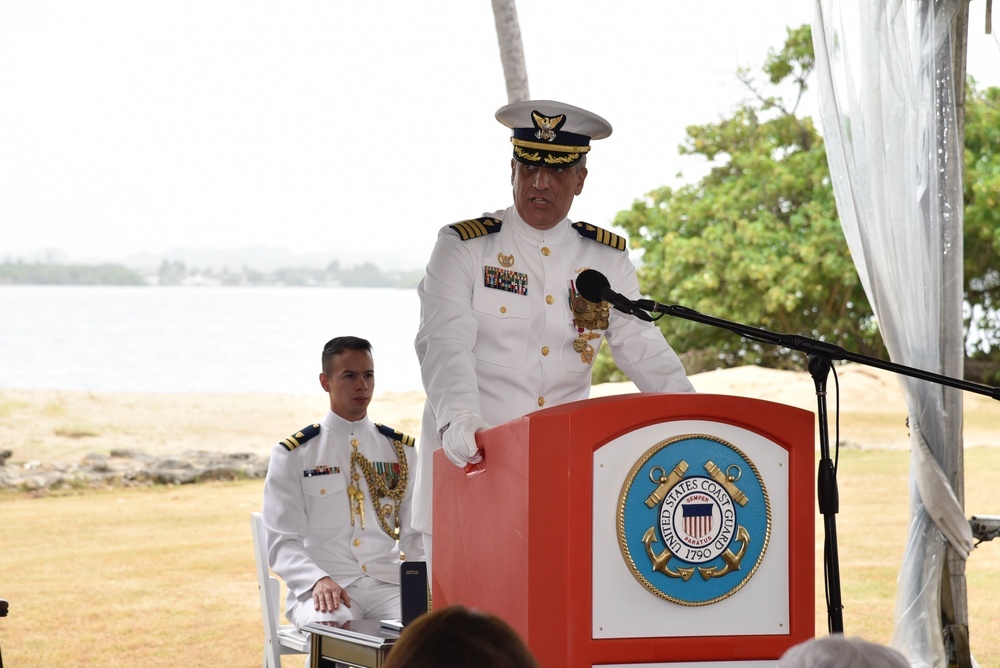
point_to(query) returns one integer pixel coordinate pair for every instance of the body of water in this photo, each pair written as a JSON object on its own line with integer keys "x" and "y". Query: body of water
{"x": 184, "y": 339}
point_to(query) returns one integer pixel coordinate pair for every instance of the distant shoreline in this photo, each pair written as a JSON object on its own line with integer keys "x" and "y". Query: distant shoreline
{"x": 175, "y": 273}
{"x": 65, "y": 426}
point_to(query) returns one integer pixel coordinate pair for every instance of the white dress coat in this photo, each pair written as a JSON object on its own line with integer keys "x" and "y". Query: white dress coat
{"x": 501, "y": 354}
{"x": 308, "y": 518}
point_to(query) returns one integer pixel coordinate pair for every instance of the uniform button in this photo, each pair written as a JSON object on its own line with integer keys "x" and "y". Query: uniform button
{"x": 357, "y": 541}
{"x": 322, "y": 491}
{"x": 364, "y": 568}
{"x": 503, "y": 309}
{"x": 545, "y": 350}
{"x": 545, "y": 250}
{"x": 549, "y": 299}
{"x": 541, "y": 401}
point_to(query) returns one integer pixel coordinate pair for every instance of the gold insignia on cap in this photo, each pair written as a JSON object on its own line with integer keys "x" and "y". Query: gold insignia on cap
{"x": 524, "y": 155}
{"x": 546, "y": 125}
{"x": 562, "y": 160}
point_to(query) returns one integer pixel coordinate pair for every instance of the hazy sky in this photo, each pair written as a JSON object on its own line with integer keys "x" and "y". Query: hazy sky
{"x": 143, "y": 125}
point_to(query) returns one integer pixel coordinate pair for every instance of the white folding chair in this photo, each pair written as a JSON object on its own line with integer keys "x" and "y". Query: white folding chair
{"x": 279, "y": 639}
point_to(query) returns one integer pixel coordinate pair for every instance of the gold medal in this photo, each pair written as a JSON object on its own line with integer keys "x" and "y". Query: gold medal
{"x": 587, "y": 316}
{"x": 383, "y": 483}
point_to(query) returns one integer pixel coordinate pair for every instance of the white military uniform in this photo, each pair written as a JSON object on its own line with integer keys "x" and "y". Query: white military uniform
{"x": 308, "y": 517}
{"x": 497, "y": 329}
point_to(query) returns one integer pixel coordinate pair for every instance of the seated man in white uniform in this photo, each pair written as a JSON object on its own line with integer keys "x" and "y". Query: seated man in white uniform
{"x": 337, "y": 502}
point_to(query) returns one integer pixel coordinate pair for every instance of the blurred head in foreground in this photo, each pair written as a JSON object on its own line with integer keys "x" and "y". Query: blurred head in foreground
{"x": 836, "y": 650}
{"x": 457, "y": 637}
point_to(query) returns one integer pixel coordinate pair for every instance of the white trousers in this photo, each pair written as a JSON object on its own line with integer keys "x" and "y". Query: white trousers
{"x": 370, "y": 599}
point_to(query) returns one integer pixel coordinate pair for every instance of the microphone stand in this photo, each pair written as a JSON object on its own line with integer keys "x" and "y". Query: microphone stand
{"x": 820, "y": 354}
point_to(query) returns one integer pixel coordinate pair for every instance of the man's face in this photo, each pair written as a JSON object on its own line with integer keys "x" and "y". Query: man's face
{"x": 543, "y": 195}
{"x": 350, "y": 382}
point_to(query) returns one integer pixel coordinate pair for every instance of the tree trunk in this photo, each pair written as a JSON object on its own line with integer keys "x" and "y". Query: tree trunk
{"x": 511, "y": 50}
{"x": 954, "y": 595}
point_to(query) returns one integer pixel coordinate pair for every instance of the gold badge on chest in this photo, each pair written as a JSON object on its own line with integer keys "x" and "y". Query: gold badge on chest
{"x": 505, "y": 260}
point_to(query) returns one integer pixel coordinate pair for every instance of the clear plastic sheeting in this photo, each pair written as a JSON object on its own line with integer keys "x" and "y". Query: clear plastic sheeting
{"x": 889, "y": 122}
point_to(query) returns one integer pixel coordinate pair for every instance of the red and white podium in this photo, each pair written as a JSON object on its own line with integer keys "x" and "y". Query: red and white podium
{"x": 539, "y": 534}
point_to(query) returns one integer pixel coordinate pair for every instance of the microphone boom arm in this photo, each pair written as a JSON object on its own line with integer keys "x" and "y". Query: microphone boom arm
{"x": 814, "y": 347}
{"x": 820, "y": 354}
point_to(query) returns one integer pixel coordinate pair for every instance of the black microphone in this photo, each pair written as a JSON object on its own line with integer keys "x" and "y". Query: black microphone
{"x": 594, "y": 287}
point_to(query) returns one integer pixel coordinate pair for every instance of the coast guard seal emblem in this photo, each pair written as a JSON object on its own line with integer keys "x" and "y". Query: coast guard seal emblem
{"x": 694, "y": 519}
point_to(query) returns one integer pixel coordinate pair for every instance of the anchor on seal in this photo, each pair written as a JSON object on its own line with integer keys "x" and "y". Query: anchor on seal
{"x": 661, "y": 562}
{"x": 732, "y": 561}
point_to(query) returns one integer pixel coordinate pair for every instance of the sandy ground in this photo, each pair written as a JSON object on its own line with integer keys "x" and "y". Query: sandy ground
{"x": 50, "y": 426}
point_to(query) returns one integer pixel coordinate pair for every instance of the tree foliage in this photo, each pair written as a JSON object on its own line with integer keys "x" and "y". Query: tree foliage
{"x": 757, "y": 240}
{"x": 21, "y": 273}
{"x": 982, "y": 231}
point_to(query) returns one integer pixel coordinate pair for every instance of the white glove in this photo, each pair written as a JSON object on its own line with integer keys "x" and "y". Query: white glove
{"x": 459, "y": 439}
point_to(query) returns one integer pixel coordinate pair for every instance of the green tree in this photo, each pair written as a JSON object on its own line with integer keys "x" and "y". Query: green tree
{"x": 757, "y": 240}
{"x": 982, "y": 232}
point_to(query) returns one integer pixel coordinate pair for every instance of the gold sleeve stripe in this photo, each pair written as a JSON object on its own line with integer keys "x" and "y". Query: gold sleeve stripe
{"x": 300, "y": 437}
{"x": 601, "y": 235}
{"x": 469, "y": 229}
{"x": 396, "y": 435}
{"x": 611, "y": 239}
{"x": 477, "y": 227}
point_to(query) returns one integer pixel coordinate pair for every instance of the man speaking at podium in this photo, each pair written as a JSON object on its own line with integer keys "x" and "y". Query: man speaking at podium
{"x": 504, "y": 331}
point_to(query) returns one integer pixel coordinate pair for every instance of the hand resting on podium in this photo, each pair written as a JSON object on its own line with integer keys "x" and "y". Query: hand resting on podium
{"x": 459, "y": 439}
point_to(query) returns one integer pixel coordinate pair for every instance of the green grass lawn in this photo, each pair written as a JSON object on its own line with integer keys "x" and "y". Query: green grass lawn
{"x": 165, "y": 576}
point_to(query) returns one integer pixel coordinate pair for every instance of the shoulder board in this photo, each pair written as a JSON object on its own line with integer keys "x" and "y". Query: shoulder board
{"x": 300, "y": 437}
{"x": 602, "y": 236}
{"x": 477, "y": 227}
{"x": 396, "y": 435}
